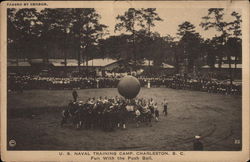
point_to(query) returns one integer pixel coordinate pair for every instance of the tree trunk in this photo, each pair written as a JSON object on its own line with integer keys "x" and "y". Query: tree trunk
{"x": 134, "y": 53}
{"x": 235, "y": 62}
{"x": 65, "y": 61}
{"x": 87, "y": 61}
{"x": 17, "y": 61}
{"x": 79, "y": 54}
{"x": 176, "y": 62}
{"x": 17, "y": 56}
{"x": 65, "y": 53}
{"x": 220, "y": 62}
{"x": 230, "y": 69}
{"x": 65, "y": 57}
{"x": 78, "y": 58}
{"x": 149, "y": 44}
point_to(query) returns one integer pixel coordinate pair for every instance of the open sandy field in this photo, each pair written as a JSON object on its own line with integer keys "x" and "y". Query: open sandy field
{"x": 34, "y": 122}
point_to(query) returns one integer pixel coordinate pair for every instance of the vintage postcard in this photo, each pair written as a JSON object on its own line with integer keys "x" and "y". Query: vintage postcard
{"x": 124, "y": 81}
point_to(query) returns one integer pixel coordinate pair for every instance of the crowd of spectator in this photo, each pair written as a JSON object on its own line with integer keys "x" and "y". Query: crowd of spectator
{"x": 28, "y": 82}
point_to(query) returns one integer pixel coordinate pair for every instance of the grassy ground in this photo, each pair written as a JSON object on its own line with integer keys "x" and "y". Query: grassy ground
{"x": 216, "y": 117}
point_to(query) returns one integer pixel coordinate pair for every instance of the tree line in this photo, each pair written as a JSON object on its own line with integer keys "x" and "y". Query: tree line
{"x": 79, "y": 30}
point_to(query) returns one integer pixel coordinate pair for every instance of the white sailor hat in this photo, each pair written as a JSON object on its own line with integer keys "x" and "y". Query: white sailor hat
{"x": 197, "y": 137}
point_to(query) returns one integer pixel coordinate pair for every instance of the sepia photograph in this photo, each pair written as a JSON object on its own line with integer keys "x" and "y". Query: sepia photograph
{"x": 136, "y": 78}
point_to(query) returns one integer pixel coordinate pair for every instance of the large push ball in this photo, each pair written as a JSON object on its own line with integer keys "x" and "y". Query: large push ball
{"x": 129, "y": 87}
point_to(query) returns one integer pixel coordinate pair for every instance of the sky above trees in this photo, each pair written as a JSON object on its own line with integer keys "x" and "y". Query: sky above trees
{"x": 171, "y": 19}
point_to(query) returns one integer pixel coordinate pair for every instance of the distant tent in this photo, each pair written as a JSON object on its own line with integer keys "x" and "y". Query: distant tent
{"x": 61, "y": 62}
{"x": 167, "y": 66}
{"x": 147, "y": 62}
{"x": 15, "y": 63}
{"x": 223, "y": 66}
{"x": 100, "y": 62}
